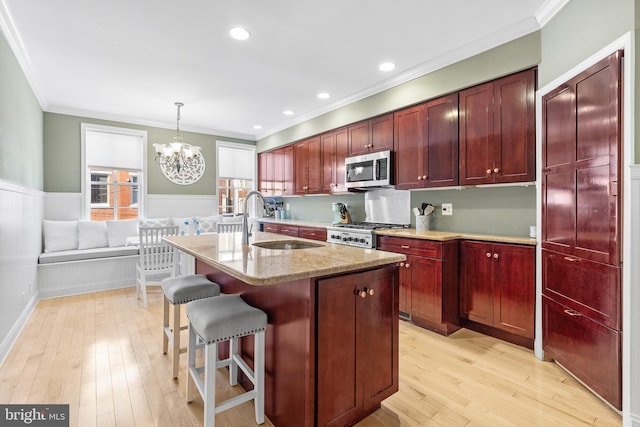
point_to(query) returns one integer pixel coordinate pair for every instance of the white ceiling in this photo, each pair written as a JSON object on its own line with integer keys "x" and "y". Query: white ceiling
{"x": 130, "y": 60}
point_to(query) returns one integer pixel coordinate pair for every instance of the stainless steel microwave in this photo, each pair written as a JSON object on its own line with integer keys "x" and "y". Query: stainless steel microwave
{"x": 369, "y": 170}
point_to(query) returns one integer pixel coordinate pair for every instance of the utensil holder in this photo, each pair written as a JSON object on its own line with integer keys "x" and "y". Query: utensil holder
{"x": 422, "y": 222}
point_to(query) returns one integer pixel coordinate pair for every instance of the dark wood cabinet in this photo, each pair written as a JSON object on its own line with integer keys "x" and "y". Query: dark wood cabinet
{"x": 289, "y": 230}
{"x": 357, "y": 346}
{"x": 371, "y": 135}
{"x": 313, "y": 233}
{"x": 497, "y": 287}
{"x": 497, "y": 130}
{"x": 275, "y": 172}
{"x": 582, "y": 226}
{"x": 308, "y": 166}
{"x": 426, "y": 143}
{"x": 266, "y": 173}
{"x": 335, "y": 146}
{"x": 428, "y": 281}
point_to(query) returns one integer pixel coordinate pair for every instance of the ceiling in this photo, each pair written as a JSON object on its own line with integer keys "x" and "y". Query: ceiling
{"x": 130, "y": 60}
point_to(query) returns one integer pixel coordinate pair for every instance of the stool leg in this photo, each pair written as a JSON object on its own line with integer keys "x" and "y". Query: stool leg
{"x": 176, "y": 339}
{"x": 258, "y": 372}
{"x": 233, "y": 366}
{"x": 211, "y": 356}
{"x": 191, "y": 364}
{"x": 165, "y": 325}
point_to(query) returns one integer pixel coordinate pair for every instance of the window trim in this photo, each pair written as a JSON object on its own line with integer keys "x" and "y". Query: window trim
{"x": 85, "y": 177}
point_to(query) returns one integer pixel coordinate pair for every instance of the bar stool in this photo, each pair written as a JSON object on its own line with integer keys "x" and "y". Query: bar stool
{"x": 225, "y": 318}
{"x": 177, "y": 291}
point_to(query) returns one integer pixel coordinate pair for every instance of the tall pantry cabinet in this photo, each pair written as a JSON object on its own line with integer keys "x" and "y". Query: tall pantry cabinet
{"x": 582, "y": 226}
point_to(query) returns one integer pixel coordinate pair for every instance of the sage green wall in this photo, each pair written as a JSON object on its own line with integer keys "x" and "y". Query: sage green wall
{"x": 20, "y": 125}
{"x": 62, "y": 144}
{"x": 579, "y": 30}
{"x": 505, "y": 59}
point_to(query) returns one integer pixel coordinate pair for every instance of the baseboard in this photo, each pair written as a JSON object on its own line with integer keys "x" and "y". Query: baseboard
{"x": 16, "y": 329}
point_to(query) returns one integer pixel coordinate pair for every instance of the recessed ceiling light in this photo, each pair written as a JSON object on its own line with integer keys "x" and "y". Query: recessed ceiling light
{"x": 287, "y": 113}
{"x": 387, "y": 66}
{"x": 324, "y": 95}
{"x": 257, "y": 127}
{"x": 239, "y": 33}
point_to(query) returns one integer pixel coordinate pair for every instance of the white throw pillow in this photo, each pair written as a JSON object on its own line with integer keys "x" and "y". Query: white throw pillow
{"x": 183, "y": 229}
{"x": 119, "y": 230}
{"x": 208, "y": 224}
{"x": 60, "y": 235}
{"x": 92, "y": 234}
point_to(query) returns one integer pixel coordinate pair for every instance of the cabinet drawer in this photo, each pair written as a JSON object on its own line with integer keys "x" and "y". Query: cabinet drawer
{"x": 271, "y": 228}
{"x": 313, "y": 233}
{"x": 588, "y": 287}
{"x": 587, "y": 348}
{"x": 289, "y": 230}
{"x": 410, "y": 246}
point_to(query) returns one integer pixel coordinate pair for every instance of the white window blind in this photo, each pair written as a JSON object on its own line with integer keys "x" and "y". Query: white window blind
{"x": 236, "y": 162}
{"x": 114, "y": 150}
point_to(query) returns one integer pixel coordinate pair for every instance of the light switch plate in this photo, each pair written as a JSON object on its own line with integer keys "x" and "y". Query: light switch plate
{"x": 447, "y": 209}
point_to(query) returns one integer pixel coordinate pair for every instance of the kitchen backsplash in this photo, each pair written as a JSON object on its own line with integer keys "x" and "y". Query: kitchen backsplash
{"x": 505, "y": 211}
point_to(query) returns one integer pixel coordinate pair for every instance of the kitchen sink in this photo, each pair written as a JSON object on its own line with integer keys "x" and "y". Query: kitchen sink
{"x": 287, "y": 244}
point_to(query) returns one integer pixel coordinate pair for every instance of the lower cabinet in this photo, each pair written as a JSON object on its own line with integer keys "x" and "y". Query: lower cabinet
{"x": 428, "y": 281}
{"x": 357, "y": 345}
{"x": 289, "y": 230}
{"x": 313, "y": 233}
{"x": 497, "y": 289}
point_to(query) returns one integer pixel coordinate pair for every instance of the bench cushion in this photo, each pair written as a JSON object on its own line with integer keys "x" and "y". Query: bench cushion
{"x": 82, "y": 254}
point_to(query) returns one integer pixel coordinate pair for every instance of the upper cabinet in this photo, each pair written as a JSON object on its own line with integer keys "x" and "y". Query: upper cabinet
{"x": 275, "y": 172}
{"x": 371, "y": 135}
{"x": 497, "y": 131}
{"x": 426, "y": 142}
{"x": 307, "y": 166}
{"x": 266, "y": 173}
{"x": 334, "y": 147}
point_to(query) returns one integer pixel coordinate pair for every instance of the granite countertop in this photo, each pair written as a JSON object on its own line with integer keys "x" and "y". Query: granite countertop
{"x": 412, "y": 233}
{"x": 258, "y": 266}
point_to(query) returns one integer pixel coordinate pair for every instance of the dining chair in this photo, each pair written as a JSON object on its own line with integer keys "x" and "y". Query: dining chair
{"x": 229, "y": 227}
{"x": 157, "y": 258}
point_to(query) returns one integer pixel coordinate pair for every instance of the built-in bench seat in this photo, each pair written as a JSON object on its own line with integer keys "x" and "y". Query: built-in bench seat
{"x": 86, "y": 254}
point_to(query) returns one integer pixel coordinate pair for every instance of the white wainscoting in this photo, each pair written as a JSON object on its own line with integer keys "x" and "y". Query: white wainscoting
{"x": 630, "y": 304}
{"x": 21, "y": 213}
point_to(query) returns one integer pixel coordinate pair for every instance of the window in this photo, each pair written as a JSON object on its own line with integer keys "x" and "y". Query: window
{"x": 113, "y": 163}
{"x": 236, "y": 176}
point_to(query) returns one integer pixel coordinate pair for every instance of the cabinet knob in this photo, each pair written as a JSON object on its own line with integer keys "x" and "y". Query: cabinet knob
{"x": 489, "y": 171}
{"x": 419, "y": 177}
{"x": 571, "y": 312}
{"x": 496, "y": 170}
{"x": 371, "y": 292}
{"x": 402, "y": 264}
{"x": 496, "y": 256}
{"x": 488, "y": 254}
{"x": 407, "y": 265}
{"x": 424, "y": 176}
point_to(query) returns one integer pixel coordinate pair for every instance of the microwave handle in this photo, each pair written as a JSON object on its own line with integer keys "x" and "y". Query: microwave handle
{"x": 377, "y": 170}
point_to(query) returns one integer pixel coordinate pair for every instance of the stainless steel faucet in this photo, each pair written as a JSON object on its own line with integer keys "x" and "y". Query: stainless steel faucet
{"x": 245, "y": 225}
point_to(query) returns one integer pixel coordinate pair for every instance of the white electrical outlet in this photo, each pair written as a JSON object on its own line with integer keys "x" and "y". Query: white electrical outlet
{"x": 447, "y": 209}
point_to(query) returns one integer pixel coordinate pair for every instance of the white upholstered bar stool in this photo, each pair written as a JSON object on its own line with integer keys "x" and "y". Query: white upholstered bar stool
{"x": 214, "y": 320}
{"x": 177, "y": 291}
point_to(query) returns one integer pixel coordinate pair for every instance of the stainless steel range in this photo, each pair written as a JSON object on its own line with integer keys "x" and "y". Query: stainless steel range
{"x": 361, "y": 235}
{"x": 383, "y": 209}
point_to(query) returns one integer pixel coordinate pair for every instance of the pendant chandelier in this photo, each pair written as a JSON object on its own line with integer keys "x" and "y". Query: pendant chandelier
{"x": 180, "y": 162}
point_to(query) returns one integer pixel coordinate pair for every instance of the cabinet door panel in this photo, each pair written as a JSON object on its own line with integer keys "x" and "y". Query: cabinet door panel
{"x": 338, "y": 391}
{"x": 314, "y": 168}
{"x": 560, "y": 130}
{"x": 301, "y": 165}
{"x": 588, "y": 349}
{"x": 288, "y": 188}
{"x": 278, "y": 172}
{"x": 327, "y": 143}
{"x": 476, "y": 135}
{"x": 341, "y": 152}
{"x": 476, "y": 282}
{"x": 558, "y": 211}
{"x": 359, "y": 138}
{"x": 514, "y": 128}
{"x": 426, "y": 288}
{"x": 442, "y": 141}
{"x": 410, "y": 160}
{"x": 381, "y": 133}
{"x": 515, "y": 289}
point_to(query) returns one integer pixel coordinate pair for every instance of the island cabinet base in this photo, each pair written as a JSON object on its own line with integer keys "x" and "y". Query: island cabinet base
{"x": 331, "y": 350}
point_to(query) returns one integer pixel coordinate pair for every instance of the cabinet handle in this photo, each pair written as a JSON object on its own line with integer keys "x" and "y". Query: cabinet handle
{"x": 371, "y": 292}
{"x": 496, "y": 256}
{"x": 572, "y": 313}
{"x": 362, "y": 294}
{"x": 424, "y": 176}
{"x": 402, "y": 264}
{"x": 419, "y": 177}
{"x": 489, "y": 171}
{"x": 496, "y": 170}
{"x": 570, "y": 259}
{"x": 407, "y": 265}
{"x": 488, "y": 254}
{"x": 405, "y": 246}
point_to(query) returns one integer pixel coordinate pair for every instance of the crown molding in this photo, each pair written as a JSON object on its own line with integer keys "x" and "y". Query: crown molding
{"x": 488, "y": 42}
{"x": 548, "y": 10}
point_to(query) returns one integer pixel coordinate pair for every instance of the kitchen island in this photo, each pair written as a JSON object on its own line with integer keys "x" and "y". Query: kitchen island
{"x": 332, "y": 337}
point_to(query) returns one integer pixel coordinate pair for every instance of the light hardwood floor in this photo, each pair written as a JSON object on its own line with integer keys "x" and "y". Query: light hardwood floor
{"x": 102, "y": 354}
